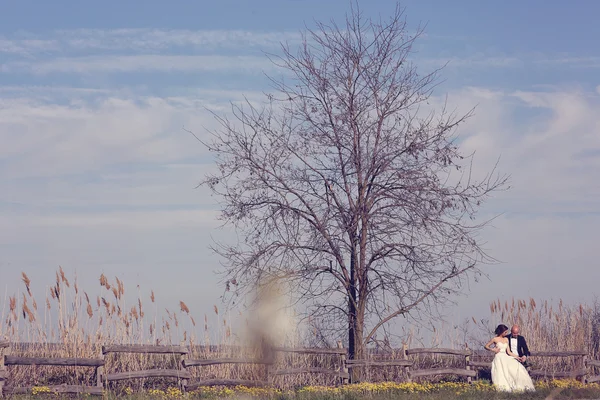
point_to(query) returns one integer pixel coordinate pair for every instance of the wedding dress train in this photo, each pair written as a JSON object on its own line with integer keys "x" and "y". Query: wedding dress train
{"x": 508, "y": 374}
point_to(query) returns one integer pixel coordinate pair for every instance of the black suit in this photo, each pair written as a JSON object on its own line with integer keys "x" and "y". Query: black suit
{"x": 522, "y": 348}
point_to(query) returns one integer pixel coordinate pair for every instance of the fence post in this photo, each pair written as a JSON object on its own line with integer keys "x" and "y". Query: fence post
{"x": 2, "y": 369}
{"x": 99, "y": 377}
{"x": 584, "y": 366}
{"x": 405, "y": 357}
{"x": 467, "y": 363}
{"x": 5, "y": 348}
{"x": 343, "y": 364}
{"x": 100, "y": 372}
{"x": 182, "y": 359}
{"x": 267, "y": 352}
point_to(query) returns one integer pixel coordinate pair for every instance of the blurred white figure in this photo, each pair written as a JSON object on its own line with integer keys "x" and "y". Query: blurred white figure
{"x": 270, "y": 321}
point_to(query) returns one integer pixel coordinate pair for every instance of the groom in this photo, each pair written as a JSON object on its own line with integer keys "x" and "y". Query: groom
{"x": 518, "y": 345}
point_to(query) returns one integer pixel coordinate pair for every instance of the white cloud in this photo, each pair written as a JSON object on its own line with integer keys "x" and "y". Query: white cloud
{"x": 50, "y": 92}
{"x": 142, "y": 40}
{"x": 141, "y": 63}
{"x": 89, "y": 51}
{"x": 132, "y": 220}
{"x": 50, "y": 139}
{"x": 485, "y": 61}
{"x": 27, "y": 47}
{"x": 541, "y": 139}
{"x": 573, "y": 61}
{"x": 157, "y": 39}
{"x": 508, "y": 61}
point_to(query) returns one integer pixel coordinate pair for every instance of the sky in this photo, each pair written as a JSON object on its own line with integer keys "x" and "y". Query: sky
{"x": 98, "y": 174}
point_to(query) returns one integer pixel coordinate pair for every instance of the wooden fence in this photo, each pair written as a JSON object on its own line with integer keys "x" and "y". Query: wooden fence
{"x": 182, "y": 374}
{"x": 583, "y": 372}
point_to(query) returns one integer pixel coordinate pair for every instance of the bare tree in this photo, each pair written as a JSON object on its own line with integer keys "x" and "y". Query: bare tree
{"x": 347, "y": 184}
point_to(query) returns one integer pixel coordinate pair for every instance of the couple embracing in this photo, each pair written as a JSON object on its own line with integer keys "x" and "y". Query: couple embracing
{"x": 508, "y": 370}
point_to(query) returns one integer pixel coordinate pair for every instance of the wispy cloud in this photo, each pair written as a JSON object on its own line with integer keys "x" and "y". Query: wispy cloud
{"x": 483, "y": 61}
{"x": 539, "y": 137}
{"x": 141, "y": 63}
{"x": 155, "y": 39}
{"x": 142, "y": 40}
{"x": 131, "y": 220}
{"x": 512, "y": 61}
{"x": 48, "y": 139}
{"x": 83, "y": 51}
{"x": 579, "y": 62}
{"x": 98, "y": 134}
{"x": 27, "y": 47}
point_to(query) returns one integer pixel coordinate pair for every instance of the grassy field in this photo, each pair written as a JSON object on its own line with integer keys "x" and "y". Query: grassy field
{"x": 558, "y": 389}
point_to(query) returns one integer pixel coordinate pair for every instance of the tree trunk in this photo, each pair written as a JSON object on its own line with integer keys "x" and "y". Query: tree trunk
{"x": 352, "y": 309}
{"x": 356, "y": 320}
{"x": 359, "y": 348}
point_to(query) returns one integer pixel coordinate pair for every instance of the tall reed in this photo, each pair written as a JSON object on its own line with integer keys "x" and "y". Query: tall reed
{"x": 71, "y": 323}
{"x": 547, "y": 326}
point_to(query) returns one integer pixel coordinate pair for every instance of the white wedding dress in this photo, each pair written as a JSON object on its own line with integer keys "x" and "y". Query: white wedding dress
{"x": 508, "y": 374}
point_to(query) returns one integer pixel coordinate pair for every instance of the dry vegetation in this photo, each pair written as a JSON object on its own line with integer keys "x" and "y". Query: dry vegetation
{"x": 71, "y": 323}
{"x": 547, "y": 327}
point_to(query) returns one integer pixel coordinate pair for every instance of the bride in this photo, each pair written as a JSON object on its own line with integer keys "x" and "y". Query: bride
{"x": 508, "y": 374}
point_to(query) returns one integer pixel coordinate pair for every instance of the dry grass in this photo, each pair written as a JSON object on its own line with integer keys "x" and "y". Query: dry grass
{"x": 547, "y": 326}
{"x": 69, "y": 322}
{"x": 550, "y": 327}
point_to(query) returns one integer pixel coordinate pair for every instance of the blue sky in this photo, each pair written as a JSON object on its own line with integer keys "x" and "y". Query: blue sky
{"x": 97, "y": 174}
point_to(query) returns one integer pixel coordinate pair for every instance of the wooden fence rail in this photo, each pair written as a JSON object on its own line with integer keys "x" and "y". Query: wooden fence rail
{"x": 309, "y": 370}
{"x": 372, "y": 363}
{"x": 593, "y": 363}
{"x": 143, "y": 348}
{"x": 219, "y": 361}
{"x": 332, "y": 351}
{"x": 68, "y": 362}
{"x": 182, "y": 374}
{"x": 442, "y": 371}
{"x": 149, "y": 373}
{"x": 453, "y": 352}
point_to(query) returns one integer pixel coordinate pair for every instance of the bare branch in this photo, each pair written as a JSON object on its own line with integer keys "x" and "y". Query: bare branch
{"x": 409, "y": 307}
